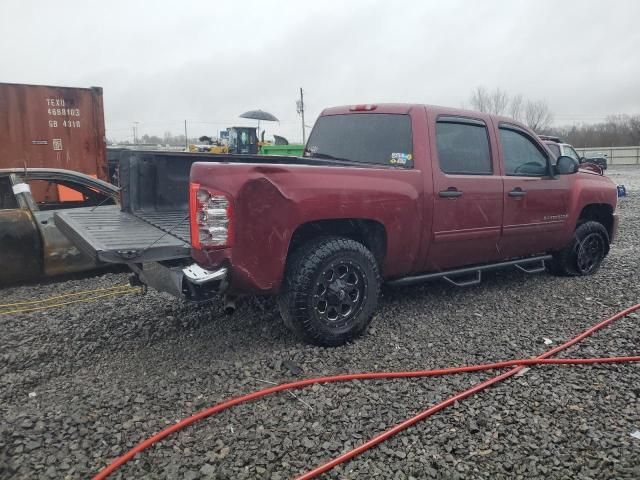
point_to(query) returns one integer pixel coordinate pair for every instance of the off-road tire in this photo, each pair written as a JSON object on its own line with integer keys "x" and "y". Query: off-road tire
{"x": 565, "y": 261}
{"x": 306, "y": 272}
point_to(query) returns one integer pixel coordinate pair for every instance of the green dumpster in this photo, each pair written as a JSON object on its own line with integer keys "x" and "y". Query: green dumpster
{"x": 291, "y": 150}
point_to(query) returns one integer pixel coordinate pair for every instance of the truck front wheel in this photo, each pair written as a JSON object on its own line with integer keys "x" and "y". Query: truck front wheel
{"x": 584, "y": 253}
{"x": 330, "y": 291}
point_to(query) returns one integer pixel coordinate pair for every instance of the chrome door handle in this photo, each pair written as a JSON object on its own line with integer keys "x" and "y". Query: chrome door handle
{"x": 450, "y": 193}
{"x": 517, "y": 192}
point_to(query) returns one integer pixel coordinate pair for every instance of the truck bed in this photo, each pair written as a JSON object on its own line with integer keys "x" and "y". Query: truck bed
{"x": 175, "y": 222}
{"x": 152, "y": 222}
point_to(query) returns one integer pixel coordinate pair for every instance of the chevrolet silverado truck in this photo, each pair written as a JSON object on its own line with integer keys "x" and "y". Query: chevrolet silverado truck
{"x": 392, "y": 193}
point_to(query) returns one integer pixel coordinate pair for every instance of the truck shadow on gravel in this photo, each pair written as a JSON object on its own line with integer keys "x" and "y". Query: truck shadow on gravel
{"x": 256, "y": 328}
{"x": 496, "y": 282}
{"x": 257, "y": 322}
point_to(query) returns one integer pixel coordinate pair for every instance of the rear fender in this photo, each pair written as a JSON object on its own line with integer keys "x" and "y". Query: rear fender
{"x": 272, "y": 201}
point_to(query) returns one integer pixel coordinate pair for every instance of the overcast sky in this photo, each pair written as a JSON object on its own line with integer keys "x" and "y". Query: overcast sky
{"x": 161, "y": 62}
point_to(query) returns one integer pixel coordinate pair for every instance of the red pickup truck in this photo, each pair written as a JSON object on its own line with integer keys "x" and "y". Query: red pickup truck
{"x": 384, "y": 193}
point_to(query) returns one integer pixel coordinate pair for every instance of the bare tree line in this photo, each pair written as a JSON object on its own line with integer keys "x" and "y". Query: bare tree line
{"x": 534, "y": 113}
{"x": 615, "y": 131}
{"x": 167, "y": 139}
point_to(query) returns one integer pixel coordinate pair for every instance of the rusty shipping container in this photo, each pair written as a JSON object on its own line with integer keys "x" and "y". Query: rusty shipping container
{"x": 57, "y": 127}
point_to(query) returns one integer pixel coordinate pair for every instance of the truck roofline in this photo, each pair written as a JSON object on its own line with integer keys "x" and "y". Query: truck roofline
{"x": 406, "y": 108}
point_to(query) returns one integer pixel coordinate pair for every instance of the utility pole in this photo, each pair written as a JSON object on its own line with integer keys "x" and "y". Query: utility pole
{"x": 300, "y": 108}
{"x": 186, "y": 138}
{"x": 135, "y": 132}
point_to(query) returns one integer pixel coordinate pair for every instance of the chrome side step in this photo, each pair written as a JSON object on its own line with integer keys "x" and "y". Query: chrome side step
{"x": 450, "y": 275}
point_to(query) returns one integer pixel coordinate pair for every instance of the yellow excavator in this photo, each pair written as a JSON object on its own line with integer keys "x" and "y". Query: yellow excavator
{"x": 244, "y": 140}
{"x": 238, "y": 140}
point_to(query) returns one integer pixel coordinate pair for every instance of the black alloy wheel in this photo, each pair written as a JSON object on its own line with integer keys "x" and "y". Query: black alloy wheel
{"x": 330, "y": 290}
{"x": 584, "y": 253}
{"x": 339, "y": 293}
{"x": 589, "y": 253}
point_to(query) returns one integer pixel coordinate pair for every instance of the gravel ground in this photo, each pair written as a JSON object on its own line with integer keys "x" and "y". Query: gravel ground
{"x": 83, "y": 383}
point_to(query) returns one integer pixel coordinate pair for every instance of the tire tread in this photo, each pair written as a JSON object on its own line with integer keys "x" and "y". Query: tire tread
{"x": 564, "y": 259}
{"x": 299, "y": 274}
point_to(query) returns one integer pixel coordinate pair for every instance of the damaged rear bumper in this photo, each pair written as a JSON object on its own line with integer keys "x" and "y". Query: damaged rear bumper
{"x": 194, "y": 273}
{"x": 190, "y": 282}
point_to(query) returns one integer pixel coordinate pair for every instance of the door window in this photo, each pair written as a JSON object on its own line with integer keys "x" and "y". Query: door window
{"x": 53, "y": 195}
{"x": 521, "y": 156}
{"x": 463, "y": 148}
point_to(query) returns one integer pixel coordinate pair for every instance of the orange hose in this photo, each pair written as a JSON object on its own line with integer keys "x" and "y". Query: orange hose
{"x": 520, "y": 364}
{"x": 477, "y": 388}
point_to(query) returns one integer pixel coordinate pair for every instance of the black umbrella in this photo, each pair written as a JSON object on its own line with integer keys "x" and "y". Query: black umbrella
{"x": 259, "y": 115}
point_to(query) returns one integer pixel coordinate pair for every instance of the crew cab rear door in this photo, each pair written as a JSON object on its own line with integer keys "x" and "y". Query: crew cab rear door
{"x": 468, "y": 192}
{"x": 535, "y": 202}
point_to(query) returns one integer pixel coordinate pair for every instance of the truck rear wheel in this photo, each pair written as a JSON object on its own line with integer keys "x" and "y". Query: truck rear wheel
{"x": 330, "y": 291}
{"x": 584, "y": 254}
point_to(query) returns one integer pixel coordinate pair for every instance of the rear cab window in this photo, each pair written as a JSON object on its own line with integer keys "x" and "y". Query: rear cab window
{"x": 463, "y": 146}
{"x": 369, "y": 138}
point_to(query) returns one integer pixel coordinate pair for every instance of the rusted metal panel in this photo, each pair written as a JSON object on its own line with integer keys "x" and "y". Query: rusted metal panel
{"x": 59, "y": 254}
{"x": 58, "y": 127}
{"x": 31, "y": 246}
{"x": 20, "y": 247}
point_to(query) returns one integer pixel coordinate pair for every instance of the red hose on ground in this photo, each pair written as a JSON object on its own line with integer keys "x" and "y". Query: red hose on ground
{"x": 520, "y": 364}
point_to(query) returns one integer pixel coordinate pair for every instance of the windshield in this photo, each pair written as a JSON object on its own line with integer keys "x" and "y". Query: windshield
{"x": 379, "y": 138}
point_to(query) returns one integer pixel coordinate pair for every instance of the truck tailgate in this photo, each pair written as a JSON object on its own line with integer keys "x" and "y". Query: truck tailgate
{"x": 111, "y": 235}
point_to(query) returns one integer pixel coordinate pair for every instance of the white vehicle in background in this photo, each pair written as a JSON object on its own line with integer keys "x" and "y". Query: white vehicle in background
{"x": 558, "y": 149}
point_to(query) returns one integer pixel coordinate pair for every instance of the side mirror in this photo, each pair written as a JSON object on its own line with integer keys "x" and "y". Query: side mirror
{"x": 566, "y": 165}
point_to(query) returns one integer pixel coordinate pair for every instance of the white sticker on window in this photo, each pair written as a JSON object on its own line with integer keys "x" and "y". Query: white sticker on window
{"x": 21, "y": 188}
{"x": 400, "y": 158}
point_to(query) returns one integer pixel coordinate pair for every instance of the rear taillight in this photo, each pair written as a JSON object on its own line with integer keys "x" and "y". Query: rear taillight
{"x": 211, "y": 215}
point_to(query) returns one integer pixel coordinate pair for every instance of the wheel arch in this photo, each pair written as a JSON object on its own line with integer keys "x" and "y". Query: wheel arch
{"x": 371, "y": 233}
{"x": 598, "y": 212}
